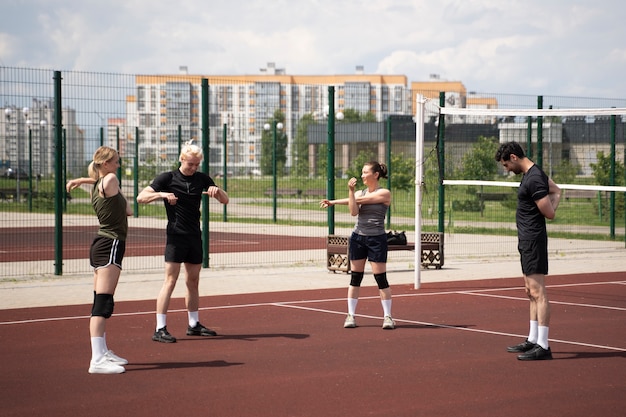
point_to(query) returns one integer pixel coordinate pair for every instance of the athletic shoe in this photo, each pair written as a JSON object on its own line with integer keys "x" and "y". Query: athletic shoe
{"x": 163, "y": 336}
{"x": 525, "y": 346}
{"x": 112, "y": 357}
{"x": 536, "y": 354}
{"x": 388, "y": 323}
{"x": 350, "y": 323}
{"x": 200, "y": 330}
{"x": 105, "y": 366}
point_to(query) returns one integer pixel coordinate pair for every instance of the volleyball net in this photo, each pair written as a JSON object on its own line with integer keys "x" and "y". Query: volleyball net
{"x": 582, "y": 150}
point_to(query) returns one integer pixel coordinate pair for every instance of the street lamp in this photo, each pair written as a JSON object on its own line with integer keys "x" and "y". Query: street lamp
{"x": 7, "y": 114}
{"x": 42, "y": 125}
{"x": 274, "y": 126}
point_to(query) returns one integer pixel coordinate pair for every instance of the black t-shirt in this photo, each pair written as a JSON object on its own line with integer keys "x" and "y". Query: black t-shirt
{"x": 531, "y": 224}
{"x": 183, "y": 218}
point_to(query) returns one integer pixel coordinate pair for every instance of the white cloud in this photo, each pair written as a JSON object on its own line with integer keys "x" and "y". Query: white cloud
{"x": 558, "y": 47}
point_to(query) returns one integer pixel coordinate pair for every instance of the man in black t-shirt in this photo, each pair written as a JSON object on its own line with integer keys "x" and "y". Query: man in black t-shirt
{"x": 537, "y": 199}
{"x": 181, "y": 191}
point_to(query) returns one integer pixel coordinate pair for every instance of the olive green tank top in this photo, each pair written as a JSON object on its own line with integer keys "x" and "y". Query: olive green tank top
{"x": 111, "y": 212}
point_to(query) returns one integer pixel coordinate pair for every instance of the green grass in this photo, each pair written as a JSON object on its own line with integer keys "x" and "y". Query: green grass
{"x": 570, "y": 213}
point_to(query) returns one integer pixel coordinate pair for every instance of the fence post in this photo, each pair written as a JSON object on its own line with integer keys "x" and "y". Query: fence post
{"x": 612, "y": 182}
{"x": 205, "y": 169}
{"x": 388, "y": 137}
{"x": 136, "y": 174}
{"x": 58, "y": 176}
{"x": 225, "y": 169}
{"x": 330, "y": 191}
{"x": 540, "y": 133}
{"x": 441, "y": 158}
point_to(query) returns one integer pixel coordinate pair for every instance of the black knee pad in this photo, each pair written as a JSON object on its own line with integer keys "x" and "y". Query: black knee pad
{"x": 381, "y": 280}
{"x": 356, "y": 278}
{"x": 103, "y": 305}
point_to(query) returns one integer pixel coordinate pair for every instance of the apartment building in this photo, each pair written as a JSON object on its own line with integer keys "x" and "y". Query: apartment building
{"x": 167, "y": 107}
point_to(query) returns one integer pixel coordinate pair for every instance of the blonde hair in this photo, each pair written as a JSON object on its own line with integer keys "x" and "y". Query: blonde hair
{"x": 100, "y": 156}
{"x": 190, "y": 149}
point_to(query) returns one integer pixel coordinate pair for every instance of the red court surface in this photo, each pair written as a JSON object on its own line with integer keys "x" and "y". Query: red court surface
{"x": 37, "y": 244}
{"x": 287, "y": 354}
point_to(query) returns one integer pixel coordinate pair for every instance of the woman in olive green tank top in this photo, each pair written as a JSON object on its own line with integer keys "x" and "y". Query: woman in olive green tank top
{"x": 106, "y": 252}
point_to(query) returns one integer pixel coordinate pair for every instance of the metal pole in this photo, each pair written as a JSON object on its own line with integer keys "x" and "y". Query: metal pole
{"x": 612, "y": 182}
{"x": 529, "y": 137}
{"x": 225, "y": 167}
{"x": 136, "y": 174}
{"x": 18, "y": 197}
{"x": 388, "y": 137}
{"x": 30, "y": 169}
{"x": 58, "y": 176}
{"x": 117, "y": 138}
{"x": 180, "y": 140}
{"x": 441, "y": 158}
{"x": 205, "y": 168}
{"x": 419, "y": 173}
{"x": 64, "y": 179}
{"x": 274, "y": 184}
{"x": 330, "y": 170}
{"x": 540, "y": 133}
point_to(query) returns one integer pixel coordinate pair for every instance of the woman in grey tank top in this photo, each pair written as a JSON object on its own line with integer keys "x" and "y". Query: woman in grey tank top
{"x": 368, "y": 240}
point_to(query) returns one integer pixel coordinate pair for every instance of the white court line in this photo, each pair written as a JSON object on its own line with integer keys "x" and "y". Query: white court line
{"x": 292, "y": 304}
{"x": 446, "y": 326}
{"x": 551, "y": 301}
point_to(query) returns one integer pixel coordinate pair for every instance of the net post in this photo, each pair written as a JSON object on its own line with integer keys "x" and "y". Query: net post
{"x": 419, "y": 166}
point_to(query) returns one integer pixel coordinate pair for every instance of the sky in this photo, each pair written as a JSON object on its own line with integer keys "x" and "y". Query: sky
{"x": 573, "y": 48}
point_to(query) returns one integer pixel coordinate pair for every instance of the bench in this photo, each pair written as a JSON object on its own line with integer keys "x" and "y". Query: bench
{"x": 337, "y": 248}
{"x": 11, "y": 193}
{"x": 316, "y": 192}
{"x": 289, "y": 192}
{"x": 493, "y": 196}
{"x": 582, "y": 194}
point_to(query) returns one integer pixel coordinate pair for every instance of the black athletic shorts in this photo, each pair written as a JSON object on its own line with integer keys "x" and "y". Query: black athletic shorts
{"x": 183, "y": 249}
{"x": 534, "y": 256}
{"x": 374, "y": 248}
{"x": 105, "y": 251}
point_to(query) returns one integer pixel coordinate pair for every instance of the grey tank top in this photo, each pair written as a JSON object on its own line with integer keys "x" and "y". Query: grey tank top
{"x": 371, "y": 219}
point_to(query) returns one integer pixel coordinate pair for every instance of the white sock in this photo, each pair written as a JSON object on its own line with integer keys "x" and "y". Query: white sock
{"x": 352, "y": 302}
{"x": 161, "y": 321}
{"x": 104, "y": 339}
{"x": 97, "y": 348}
{"x": 193, "y": 318}
{"x": 542, "y": 339}
{"x": 532, "y": 334}
{"x": 386, "y": 307}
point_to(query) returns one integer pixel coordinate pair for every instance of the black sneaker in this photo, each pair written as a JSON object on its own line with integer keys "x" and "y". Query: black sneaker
{"x": 525, "y": 346}
{"x": 200, "y": 330}
{"x": 536, "y": 354}
{"x": 163, "y": 336}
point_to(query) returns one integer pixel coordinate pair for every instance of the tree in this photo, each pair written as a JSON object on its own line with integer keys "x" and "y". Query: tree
{"x": 300, "y": 147}
{"x": 403, "y": 169}
{"x": 602, "y": 170}
{"x": 267, "y": 152}
{"x": 479, "y": 164}
{"x": 353, "y": 116}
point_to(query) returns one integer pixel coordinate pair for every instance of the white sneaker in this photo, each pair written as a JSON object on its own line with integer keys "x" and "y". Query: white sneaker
{"x": 105, "y": 366}
{"x": 112, "y": 357}
{"x": 350, "y": 322}
{"x": 388, "y": 323}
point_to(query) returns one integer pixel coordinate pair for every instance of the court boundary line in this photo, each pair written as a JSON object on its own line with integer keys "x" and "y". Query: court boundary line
{"x": 457, "y": 292}
{"x": 299, "y": 304}
{"x": 447, "y": 326}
